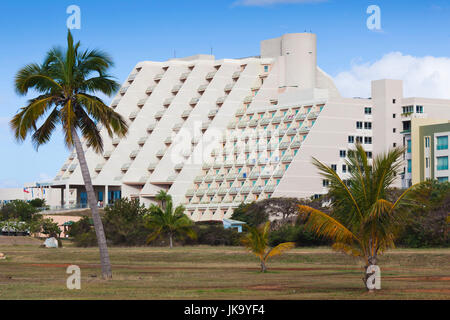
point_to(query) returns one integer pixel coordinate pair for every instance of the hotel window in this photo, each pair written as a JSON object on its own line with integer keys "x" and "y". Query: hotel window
{"x": 334, "y": 167}
{"x": 351, "y": 139}
{"x": 325, "y": 183}
{"x": 442, "y": 163}
{"x": 409, "y": 165}
{"x": 408, "y": 148}
{"x": 369, "y": 154}
{"x": 408, "y": 109}
{"x": 359, "y": 139}
{"x": 367, "y": 110}
{"x": 368, "y": 140}
{"x": 394, "y": 130}
{"x": 419, "y": 109}
{"x": 427, "y": 162}
{"x": 368, "y": 125}
{"x": 359, "y": 124}
{"x": 344, "y": 168}
{"x": 342, "y": 153}
{"x": 442, "y": 143}
{"x": 266, "y": 68}
{"x": 442, "y": 179}
{"x": 393, "y": 115}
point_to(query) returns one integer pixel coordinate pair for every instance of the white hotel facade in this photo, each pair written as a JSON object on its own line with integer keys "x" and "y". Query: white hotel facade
{"x": 216, "y": 133}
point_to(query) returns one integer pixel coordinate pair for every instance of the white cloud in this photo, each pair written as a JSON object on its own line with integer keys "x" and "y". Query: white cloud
{"x": 262, "y": 3}
{"x": 422, "y": 76}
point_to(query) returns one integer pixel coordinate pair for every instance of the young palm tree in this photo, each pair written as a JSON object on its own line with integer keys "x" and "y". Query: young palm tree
{"x": 257, "y": 241}
{"x": 163, "y": 197}
{"x": 169, "y": 221}
{"x": 67, "y": 82}
{"x": 364, "y": 222}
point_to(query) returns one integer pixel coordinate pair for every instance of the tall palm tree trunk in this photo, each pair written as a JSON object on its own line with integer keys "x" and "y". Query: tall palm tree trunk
{"x": 92, "y": 201}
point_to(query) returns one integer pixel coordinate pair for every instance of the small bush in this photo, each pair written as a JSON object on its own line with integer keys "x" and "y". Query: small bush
{"x": 297, "y": 234}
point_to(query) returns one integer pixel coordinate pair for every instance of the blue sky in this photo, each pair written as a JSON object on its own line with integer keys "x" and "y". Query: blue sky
{"x": 133, "y": 31}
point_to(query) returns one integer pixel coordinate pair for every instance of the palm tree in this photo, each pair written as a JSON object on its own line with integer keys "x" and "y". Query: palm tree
{"x": 257, "y": 241}
{"x": 163, "y": 197}
{"x": 169, "y": 221}
{"x": 364, "y": 220}
{"x": 67, "y": 82}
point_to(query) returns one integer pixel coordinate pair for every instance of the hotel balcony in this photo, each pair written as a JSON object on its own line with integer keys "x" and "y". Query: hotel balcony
{"x": 184, "y": 76}
{"x": 123, "y": 90}
{"x": 132, "y": 77}
{"x": 141, "y": 102}
{"x": 221, "y": 100}
{"x": 186, "y": 114}
{"x": 151, "y": 127}
{"x": 115, "y": 141}
{"x": 287, "y": 158}
{"x": 231, "y": 176}
{"x": 179, "y": 166}
{"x": 152, "y": 166}
{"x": 159, "y": 114}
{"x": 284, "y": 145}
{"x": 206, "y": 166}
{"x": 190, "y": 193}
{"x": 234, "y": 190}
{"x": 211, "y": 192}
{"x": 258, "y": 189}
{"x": 278, "y": 174}
{"x": 168, "y": 140}
{"x": 198, "y": 179}
{"x": 115, "y": 103}
{"x": 242, "y": 124}
{"x": 142, "y": 141}
{"x": 246, "y": 190}
{"x": 150, "y": 89}
{"x": 248, "y": 99}
{"x": 161, "y": 153}
{"x": 219, "y": 178}
{"x": 313, "y": 115}
{"x": 209, "y": 178}
{"x": 159, "y": 76}
{"x": 134, "y": 154}
{"x": 202, "y": 88}
{"x": 304, "y": 129}
{"x": 167, "y": 102}
{"x": 292, "y": 131}
{"x": 301, "y": 116}
{"x": 296, "y": 144}
{"x": 269, "y": 188}
{"x": 254, "y": 175}
{"x": 133, "y": 115}
{"x": 206, "y": 124}
{"x": 99, "y": 167}
{"x": 210, "y": 75}
{"x": 229, "y": 87}
{"x": 265, "y": 121}
{"x": 194, "y": 101}
{"x": 253, "y": 123}
{"x": 223, "y": 191}
{"x": 172, "y": 178}
{"x": 240, "y": 112}
{"x": 213, "y": 113}
{"x": 125, "y": 167}
{"x": 177, "y": 127}
{"x": 289, "y": 118}
{"x": 107, "y": 154}
{"x": 236, "y": 75}
{"x": 72, "y": 156}
{"x": 144, "y": 179}
{"x": 65, "y": 167}
{"x": 176, "y": 88}
{"x": 277, "y": 120}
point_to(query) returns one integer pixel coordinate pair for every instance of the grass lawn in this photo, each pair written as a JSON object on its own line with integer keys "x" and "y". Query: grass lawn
{"x": 30, "y": 272}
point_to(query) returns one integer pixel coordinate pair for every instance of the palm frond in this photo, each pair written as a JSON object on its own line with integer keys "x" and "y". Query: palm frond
{"x": 280, "y": 249}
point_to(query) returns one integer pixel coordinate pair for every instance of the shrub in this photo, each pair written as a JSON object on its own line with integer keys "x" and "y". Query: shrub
{"x": 214, "y": 234}
{"x": 124, "y": 223}
{"x": 17, "y": 209}
{"x": 297, "y": 234}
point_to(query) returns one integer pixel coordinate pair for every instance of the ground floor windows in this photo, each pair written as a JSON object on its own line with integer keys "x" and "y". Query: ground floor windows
{"x": 442, "y": 163}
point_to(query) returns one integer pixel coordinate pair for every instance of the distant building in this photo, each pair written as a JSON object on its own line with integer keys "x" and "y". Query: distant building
{"x": 427, "y": 150}
{"x": 216, "y": 133}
